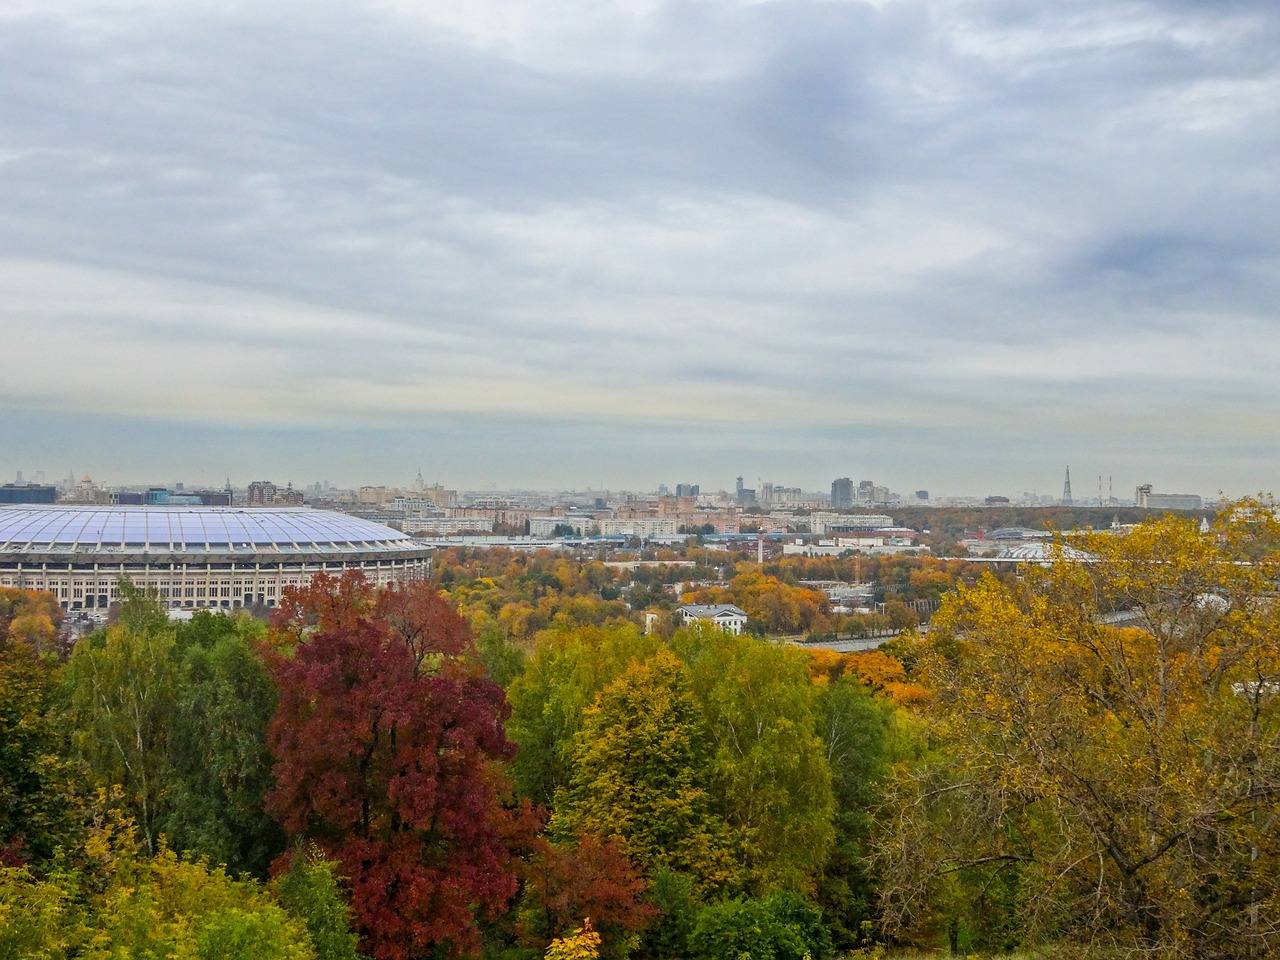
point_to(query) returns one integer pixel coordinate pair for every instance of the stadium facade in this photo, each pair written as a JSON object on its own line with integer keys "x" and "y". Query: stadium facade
{"x": 194, "y": 557}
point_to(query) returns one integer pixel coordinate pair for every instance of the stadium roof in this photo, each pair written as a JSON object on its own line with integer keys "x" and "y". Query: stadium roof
{"x": 1043, "y": 553}
{"x": 190, "y": 529}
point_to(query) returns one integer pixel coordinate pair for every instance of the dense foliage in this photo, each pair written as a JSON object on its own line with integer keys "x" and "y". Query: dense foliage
{"x": 1105, "y": 767}
{"x": 37, "y": 802}
{"x": 121, "y": 902}
{"x": 175, "y": 716}
{"x": 1079, "y": 759}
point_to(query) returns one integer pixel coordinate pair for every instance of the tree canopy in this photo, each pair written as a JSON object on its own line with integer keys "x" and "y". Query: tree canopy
{"x": 1107, "y": 761}
{"x": 387, "y": 745}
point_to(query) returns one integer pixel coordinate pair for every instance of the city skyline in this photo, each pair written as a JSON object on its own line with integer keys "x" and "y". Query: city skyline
{"x": 1103, "y": 489}
{"x": 962, "y": 243}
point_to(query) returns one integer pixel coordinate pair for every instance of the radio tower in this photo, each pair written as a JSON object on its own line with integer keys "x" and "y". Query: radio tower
{"x": 1066, "y": 489}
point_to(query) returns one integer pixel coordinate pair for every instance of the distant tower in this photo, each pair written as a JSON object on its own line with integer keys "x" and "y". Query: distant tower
{"x": 1066, "y": 490}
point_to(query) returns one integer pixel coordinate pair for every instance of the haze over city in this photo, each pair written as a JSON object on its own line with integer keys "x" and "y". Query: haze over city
{"x": 951, "y": 244}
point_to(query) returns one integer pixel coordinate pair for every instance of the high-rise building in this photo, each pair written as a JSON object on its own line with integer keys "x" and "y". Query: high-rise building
{"x": 842, "y": 493}
{"x": 261, "y": 492}
{"x": 687, "y": 490}
{"x": 28, "y": 492}
{"x": 265, "y": 493}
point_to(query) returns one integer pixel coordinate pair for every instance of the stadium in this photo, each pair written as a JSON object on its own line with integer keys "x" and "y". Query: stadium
{"x": 194, "y": 557}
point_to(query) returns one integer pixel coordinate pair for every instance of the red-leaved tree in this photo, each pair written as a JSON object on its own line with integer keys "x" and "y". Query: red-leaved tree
{"x": 591, "y": 879}
{"x": 387, "y": 744}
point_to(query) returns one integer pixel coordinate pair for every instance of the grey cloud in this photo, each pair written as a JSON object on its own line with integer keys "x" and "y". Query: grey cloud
{"x": 880, "y": 214}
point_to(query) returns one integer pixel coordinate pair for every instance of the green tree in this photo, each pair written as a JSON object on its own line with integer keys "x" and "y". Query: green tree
{"x": 121, "y": 693}
{"x": 780, "y": 927}
{"x": 569, "y": 667}
{"x": 503, "y": 661}
{"x": 770, "y": 776}
{"x": 641, "y": 761}
{"x": 675, "y": 895}
{"x": 165, "y": 906}
{"x": 234, "y": 933}
{"x": 220, "y": 767}
{"x": 856, "y": 731}
{"x": 310, "y": 891}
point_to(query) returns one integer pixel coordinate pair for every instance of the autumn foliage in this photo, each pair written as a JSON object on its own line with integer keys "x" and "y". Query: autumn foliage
{"x": 1080, "y": 758}
{"x": 641, "y": 771}
{"x": 777, "y": 606}
{"x": 590, "y": 878}
{"x": 582, "y": 944}
{"x": 30, "y": 617}
{"x": 882, "y": 673}
{"x": 387, "y": 743}
{"x": 1107, "y": 763}
{"x": 35, "y": 783}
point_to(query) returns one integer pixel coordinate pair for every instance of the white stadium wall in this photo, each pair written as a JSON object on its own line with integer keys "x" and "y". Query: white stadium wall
{"x": 194, "y": 557}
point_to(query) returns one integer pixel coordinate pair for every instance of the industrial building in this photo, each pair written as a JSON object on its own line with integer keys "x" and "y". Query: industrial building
{"x": 1144, "y": 497}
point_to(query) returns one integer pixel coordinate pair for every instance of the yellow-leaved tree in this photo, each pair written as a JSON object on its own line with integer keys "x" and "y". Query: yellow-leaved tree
{"x": 581, "y": 944}
{"x": 642, "y": 766}
{"x": 1105, "y": 770}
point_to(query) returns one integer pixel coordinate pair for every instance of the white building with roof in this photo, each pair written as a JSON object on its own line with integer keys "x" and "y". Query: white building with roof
{"x": 726, "y": 616}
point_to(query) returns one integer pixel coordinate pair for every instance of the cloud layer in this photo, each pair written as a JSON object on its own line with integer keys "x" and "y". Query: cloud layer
{"x": 952, "y": 243}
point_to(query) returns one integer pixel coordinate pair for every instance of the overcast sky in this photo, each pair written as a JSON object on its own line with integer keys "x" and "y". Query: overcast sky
{"x": 953, "y": 244}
